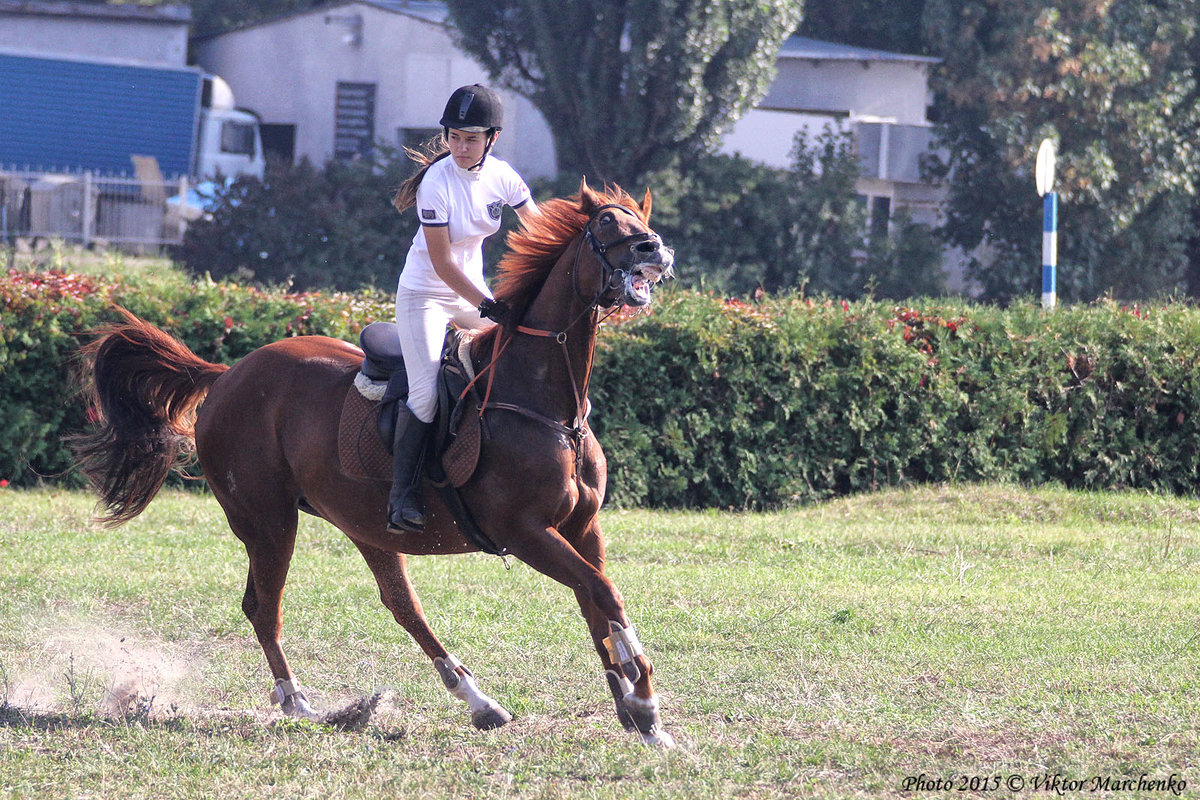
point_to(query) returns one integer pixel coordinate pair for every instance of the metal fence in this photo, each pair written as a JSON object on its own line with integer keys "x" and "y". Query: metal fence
{"x": 87, "y": 209}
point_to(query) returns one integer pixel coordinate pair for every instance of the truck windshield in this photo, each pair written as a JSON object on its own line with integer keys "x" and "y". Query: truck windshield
{"x": 237, "y": 137}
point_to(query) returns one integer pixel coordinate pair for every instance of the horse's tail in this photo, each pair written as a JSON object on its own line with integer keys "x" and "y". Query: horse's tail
{"x": 143, "y": 386}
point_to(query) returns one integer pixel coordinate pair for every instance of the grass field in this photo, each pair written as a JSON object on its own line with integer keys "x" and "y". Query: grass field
{"x": 991, "y": 633}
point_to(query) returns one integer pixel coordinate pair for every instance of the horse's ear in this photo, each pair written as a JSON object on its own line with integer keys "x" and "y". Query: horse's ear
{"x": 646, "y": 203}
{"x": 588, "y": 200}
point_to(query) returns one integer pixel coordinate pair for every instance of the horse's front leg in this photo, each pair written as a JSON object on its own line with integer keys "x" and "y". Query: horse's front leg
{"x": 626, "y": 667}
{"x": 581, "y": 567}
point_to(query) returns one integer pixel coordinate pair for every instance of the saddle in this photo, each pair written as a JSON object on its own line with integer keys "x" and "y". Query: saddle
{"x": 368, "y": 420}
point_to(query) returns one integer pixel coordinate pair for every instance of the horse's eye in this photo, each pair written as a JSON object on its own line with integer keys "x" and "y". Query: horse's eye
{"x": 607, "y": 218}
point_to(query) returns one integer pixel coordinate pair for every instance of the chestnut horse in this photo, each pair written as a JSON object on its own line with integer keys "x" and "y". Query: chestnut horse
{"x": 266, "y": 438}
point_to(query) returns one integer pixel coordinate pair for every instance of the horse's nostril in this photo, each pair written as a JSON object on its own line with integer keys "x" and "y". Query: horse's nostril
{"x": 646, "y": 247}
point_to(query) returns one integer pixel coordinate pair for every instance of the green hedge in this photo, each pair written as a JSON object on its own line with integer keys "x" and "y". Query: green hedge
{"x": 44, "y": 316}
{"x": 712, "y": 403}
{"x": 704, "y": 402}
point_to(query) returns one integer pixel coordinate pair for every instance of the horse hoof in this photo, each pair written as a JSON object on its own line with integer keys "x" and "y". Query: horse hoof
{"x": 659, "y": 738}
{"x": 297, "y": 706}
{"x": 486, "y": 719}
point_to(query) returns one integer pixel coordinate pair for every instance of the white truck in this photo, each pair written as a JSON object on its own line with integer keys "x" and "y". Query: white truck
{"x": 75, "y": 115}
{"x": 106, "y": 150}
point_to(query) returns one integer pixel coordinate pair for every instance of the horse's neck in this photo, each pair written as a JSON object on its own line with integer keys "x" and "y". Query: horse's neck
{"x": 553, "y": 383}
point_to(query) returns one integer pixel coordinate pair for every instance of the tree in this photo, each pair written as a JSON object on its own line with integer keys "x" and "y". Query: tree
{"x": 1111, "y": 82}
{"x": 737, "y": 225}
{"x": 882, "y": 24}
{"x": 629, "y": 86}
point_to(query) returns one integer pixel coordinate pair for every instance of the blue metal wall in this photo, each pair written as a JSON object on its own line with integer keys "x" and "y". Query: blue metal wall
{"x": 60, "y": 114}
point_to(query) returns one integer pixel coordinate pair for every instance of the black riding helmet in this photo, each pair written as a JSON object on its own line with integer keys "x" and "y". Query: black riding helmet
{"x": 473, "y": 108}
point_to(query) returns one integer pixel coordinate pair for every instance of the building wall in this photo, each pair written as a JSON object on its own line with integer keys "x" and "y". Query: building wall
{"x": 767, "y": 136}
{"x": 288, "y": 72}
{"x": 136, "y": 41}
{"x": 895, "y": 90}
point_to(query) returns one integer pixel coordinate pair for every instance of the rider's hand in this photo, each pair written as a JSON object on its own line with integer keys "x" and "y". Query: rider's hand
{"x": 496, "y": 310}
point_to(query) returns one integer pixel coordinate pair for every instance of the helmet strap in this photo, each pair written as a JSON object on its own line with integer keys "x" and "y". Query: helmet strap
{"x": 491, "y": 140}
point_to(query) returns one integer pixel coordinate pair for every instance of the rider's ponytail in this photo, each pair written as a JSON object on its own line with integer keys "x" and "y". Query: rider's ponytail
{"x": 432, "y": 151}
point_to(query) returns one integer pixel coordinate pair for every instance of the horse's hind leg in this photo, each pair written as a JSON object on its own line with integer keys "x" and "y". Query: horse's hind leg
{"x": 269, "y": 534}
{"x": 396, "y": 591}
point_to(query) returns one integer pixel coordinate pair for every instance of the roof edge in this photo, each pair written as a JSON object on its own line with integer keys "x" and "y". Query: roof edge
{"x": 804, "y": 47}
{"x": 168, "y": 14}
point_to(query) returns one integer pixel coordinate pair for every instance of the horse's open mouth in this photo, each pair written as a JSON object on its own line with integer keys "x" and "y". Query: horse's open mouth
{"x": 641, "y": 280}
{"x": 638, "y": 290}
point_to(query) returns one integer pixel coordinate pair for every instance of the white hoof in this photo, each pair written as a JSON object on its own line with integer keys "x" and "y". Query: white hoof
{"x": 297, "y": 706}
{"x": 486, "y": 713}
{"x": 291, "y": 701}
{"x": 658, "y": 738}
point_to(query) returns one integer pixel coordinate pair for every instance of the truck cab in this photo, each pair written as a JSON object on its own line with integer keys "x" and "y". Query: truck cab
{"x": 229, "y": 143}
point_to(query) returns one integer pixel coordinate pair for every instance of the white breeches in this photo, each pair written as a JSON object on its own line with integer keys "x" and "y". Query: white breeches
{"x": 422, "y": 319}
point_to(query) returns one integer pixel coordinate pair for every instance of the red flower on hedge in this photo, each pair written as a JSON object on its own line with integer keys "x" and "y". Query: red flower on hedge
{"x": 3, "y": 482}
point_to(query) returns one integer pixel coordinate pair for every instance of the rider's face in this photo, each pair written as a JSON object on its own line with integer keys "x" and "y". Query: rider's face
{"x": 466, "y": 147}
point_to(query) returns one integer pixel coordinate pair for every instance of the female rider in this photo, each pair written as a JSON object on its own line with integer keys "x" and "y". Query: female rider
{"x": 459, "y": 194}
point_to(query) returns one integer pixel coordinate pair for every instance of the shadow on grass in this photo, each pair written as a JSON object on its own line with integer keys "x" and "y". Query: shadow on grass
{"x": 352, "y": 719}
{"x": 51, "y": 721}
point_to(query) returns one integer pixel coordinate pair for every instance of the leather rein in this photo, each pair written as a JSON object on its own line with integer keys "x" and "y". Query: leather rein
{"x": 613, "y": 278}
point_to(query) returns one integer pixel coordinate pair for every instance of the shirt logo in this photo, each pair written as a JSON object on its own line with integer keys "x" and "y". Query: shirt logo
{"x": 428, "y": 213}
{"x": 495, "y": 208}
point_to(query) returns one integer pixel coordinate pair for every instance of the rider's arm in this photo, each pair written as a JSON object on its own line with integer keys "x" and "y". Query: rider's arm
{"x": 437, "y": 242}
{"x": 527, "y": 211}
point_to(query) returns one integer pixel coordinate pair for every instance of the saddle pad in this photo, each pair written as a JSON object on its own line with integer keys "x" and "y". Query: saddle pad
{"x": 360, "y": 450}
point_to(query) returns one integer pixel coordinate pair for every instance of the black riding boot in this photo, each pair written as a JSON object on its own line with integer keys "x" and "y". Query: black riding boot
{"x": 405, "y": 507}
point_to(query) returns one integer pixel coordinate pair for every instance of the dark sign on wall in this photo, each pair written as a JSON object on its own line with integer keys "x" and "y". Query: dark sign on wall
{"x": 354, "y": 120}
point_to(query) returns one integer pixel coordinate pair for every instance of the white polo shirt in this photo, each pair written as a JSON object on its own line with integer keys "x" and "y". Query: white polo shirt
{"x": 470, "y": 205}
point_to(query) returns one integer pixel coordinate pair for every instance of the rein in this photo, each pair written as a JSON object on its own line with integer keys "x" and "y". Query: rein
{"x": 612, "y": 278}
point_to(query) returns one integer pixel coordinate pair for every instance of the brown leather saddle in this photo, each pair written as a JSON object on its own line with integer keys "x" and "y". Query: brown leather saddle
{"x": 369, "y": 418}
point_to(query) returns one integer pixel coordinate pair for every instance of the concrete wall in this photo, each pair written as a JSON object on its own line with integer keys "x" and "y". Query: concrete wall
{"x": 894, "y": 90}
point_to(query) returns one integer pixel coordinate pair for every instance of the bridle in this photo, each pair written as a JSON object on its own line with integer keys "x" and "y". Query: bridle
{"x": 611, "y": 278}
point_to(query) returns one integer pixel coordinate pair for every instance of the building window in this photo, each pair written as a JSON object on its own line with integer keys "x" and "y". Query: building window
{"x": 415, "y": 137}
{"x": 354, "y": 120}
{"x": 881, "y": 216}
{"x": 279, "y": 141}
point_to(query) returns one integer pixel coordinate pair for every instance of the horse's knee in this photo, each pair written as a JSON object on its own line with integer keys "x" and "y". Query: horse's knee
{"x": 607, "y": 598}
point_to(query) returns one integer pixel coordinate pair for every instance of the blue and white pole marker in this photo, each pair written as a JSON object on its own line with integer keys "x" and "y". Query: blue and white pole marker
{"x": 1044, "y": 175}
{"x": 1050, "y": 250}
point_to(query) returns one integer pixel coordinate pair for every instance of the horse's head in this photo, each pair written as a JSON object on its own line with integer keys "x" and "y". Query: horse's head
{"x": 631, "y": 256}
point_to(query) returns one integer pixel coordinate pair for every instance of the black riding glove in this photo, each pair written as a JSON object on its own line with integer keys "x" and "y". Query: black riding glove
{"x": 496, "y": 310}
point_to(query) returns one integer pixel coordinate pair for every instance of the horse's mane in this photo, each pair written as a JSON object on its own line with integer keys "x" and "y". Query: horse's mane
{"x": 534, "y": 250}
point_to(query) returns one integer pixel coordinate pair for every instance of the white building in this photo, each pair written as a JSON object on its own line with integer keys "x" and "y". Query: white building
{"x": 155, "y": 35}
{"x": 330, "y": 82}
{"x": 880, "y": 97}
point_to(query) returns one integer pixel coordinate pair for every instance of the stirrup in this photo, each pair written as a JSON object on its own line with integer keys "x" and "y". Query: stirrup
{"x": 411, "y": 519}
{"x": 405, "y": 526}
